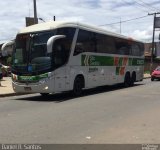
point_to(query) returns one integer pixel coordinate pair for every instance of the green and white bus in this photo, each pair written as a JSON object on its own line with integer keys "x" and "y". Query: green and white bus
{"x": 55, "y": 57}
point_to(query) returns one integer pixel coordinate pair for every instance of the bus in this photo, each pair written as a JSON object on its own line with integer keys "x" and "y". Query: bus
{"x": 56, "y": 57}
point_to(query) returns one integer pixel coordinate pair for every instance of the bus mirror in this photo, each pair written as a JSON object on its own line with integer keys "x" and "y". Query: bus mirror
{"x": 51, "y": 40}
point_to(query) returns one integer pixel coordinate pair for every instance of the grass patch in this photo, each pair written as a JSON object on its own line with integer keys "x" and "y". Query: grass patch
{"x": 147, "y": 72}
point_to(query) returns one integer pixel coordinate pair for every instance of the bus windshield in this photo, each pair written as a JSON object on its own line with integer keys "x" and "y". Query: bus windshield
{"x": 30, "y": 54}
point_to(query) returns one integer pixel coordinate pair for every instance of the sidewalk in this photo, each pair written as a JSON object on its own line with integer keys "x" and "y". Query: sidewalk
{"x": 6, "y": 87}
{"x": 7, "y": 90}
{"x": 146, "y": 76}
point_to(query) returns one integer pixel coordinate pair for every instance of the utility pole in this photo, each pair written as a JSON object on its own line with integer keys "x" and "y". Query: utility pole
{"x": 35, "y": 12}
{"x": 153, "y": 44}
{"x": 54, "y": 18}
{"x": 120, "y": 25}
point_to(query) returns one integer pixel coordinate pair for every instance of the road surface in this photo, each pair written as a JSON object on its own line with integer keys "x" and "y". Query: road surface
{"x": 105, "y": 115}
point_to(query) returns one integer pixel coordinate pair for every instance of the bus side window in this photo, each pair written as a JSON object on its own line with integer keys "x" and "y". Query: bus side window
{"x": 136, "y": 50}
{"x": 67, "y": 41}
{"x": 105, "y": 44}
{"x": 122, "y": 47}
{"x": 78, "y": 48}
{"x": 59, "y": 53}
{"x": 86, "y": 42}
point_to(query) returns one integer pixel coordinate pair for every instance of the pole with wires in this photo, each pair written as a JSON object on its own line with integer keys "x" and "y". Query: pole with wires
{"x": 35, "y": 12}
{"x": 153, "y": 44}
{"x": 120, "y": 25}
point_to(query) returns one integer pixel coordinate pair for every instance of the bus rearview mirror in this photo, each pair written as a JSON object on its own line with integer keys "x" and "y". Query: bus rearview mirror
{"x": 51, "y": 40}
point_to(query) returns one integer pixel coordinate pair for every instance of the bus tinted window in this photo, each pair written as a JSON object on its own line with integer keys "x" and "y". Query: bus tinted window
{"x": 95, "y": 42}
{"x": 105, "y": 44}
{"x": 69, "y": 33}
{"x": 61, "y": 48}
{"x": 122, "y": 46}
{"x": 86, "y": 42}
{"x": 137, "y": 49}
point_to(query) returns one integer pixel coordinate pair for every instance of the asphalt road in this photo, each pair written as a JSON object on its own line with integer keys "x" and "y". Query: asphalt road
{"x": 103, "y": 115}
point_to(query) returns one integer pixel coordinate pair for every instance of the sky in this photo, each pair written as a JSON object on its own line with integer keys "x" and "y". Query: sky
{"x": 105, "y": 14}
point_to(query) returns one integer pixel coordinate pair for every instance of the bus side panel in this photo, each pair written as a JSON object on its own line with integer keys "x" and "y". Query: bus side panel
{"x": 107, "y": 74}
{"x": 95, "y": 75}
{"x": 99, "y": 69}
{"x": 75, "y": 68}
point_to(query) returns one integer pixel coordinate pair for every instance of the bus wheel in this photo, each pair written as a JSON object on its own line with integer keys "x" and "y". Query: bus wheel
{"x": 133, "y": 78}
{"x": 44, "y": 94}
{"x": 127, "y": 80}
{"x": 78, "y": 85}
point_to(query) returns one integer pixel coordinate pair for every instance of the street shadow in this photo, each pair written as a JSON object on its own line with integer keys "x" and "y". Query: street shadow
{"x": 65, "y": 96}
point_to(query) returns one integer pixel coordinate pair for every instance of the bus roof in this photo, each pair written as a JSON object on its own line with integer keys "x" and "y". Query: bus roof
{"x": 59, "y": 24}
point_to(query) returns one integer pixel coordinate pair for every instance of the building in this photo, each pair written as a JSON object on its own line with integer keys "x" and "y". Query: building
{"x": 148, "y": 54}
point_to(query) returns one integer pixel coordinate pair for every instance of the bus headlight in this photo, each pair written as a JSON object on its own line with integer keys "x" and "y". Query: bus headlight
{"x": 46, "y": 88}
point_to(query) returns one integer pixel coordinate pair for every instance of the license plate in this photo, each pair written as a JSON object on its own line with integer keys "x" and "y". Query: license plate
{"x": 28, "y": 89}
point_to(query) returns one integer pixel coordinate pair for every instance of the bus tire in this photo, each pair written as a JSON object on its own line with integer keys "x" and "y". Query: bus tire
{"x": 78, "y": 85}
{"x": 127, "y": 80}
{"x": 133, "y": 78}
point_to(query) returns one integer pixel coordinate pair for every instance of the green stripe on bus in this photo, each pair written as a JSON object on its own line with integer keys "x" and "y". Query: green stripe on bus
{"x": 32, "y": 78}
{"x": 93, "y": 60}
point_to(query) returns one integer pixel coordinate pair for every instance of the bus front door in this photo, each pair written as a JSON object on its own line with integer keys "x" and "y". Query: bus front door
{"x": 60, "y": 79}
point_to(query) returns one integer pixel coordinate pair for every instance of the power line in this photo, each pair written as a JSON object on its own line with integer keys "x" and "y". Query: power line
{"x": 129, "y": 3}
{"x": 145, "y": 5}
{"x": 125, "y": 20}
{"x": 149, "y": 5}
{"x": 142, "y": 5}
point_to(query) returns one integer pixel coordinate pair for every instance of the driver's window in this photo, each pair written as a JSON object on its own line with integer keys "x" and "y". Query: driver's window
{"x": 59, "y": 52}
{"x": 62, "y": 47}
{"x": 78, "y": 49}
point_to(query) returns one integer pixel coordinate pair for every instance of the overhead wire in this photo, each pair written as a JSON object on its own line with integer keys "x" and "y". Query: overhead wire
{"x": 125, "y": 21}
{"x": 140, "y": 7}
{"x": 129, "y": 3}
{"x": 144, "y": 5}
{"x": 149, "y": 5}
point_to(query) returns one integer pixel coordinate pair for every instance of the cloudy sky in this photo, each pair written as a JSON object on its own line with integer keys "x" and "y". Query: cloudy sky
{"x": 103, "y": 13}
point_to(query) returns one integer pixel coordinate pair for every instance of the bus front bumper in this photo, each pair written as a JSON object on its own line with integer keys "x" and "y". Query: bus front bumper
{"x": 32, "y": 88}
